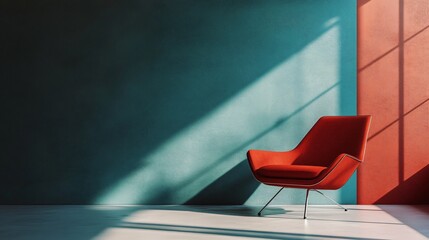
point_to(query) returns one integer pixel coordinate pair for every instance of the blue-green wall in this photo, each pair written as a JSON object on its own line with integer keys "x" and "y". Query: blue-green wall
{"x": 157, "y": 102}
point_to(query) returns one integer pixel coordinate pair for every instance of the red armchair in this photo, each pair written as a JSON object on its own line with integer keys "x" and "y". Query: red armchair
{"x": 325, "y": 158}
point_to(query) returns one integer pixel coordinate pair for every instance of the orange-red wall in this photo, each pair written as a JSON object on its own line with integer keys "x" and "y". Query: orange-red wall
{"x": 393, "y": 86}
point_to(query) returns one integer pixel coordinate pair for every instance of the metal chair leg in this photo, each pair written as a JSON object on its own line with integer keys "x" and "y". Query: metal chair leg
{"x": 306, "y": 203}
{"x": 259, "y": 213}
{"x": 345, "y": 209}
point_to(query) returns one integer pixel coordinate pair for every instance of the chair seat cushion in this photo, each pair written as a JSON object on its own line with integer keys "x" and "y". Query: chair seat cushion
{"x": 290, "y": 171}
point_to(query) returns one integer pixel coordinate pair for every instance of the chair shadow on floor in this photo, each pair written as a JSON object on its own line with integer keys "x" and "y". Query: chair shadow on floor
{"x": 245, "y": 211}
{"x": 232, "y": 210}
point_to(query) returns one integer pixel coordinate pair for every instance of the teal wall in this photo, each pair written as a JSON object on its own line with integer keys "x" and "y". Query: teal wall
{"x": 157, "y": 102}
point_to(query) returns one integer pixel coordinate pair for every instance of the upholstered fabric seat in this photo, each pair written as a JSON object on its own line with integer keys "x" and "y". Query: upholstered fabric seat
{"x": 290, "y": 171}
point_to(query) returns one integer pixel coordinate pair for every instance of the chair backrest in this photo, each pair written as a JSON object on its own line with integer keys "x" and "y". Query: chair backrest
{"x": 331, "y": 136}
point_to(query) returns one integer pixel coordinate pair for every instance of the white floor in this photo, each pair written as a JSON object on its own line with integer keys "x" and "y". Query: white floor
{"x": 213, "y": 222}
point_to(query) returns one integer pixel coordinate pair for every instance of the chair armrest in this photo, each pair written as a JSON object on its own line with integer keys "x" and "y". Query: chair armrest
{"x": 339, "y": 172}
{"x": 353, "y": 157}
{"x": 343, "y": 157}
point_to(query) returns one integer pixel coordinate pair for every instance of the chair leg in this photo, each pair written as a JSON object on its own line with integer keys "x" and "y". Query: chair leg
{"x": 332, "y": 200}
{"x": 259, "y": 213}
{"x": 306, "y": 203}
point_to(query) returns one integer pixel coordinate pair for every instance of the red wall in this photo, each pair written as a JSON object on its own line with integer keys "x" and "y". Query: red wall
{"x": 393, "y": 86}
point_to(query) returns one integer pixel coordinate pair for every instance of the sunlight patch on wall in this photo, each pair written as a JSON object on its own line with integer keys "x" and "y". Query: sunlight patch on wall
{"x": 199, "y": 154}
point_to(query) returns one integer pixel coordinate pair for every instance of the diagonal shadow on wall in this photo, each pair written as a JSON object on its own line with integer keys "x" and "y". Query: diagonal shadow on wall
{"x": 232, "y": 188}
